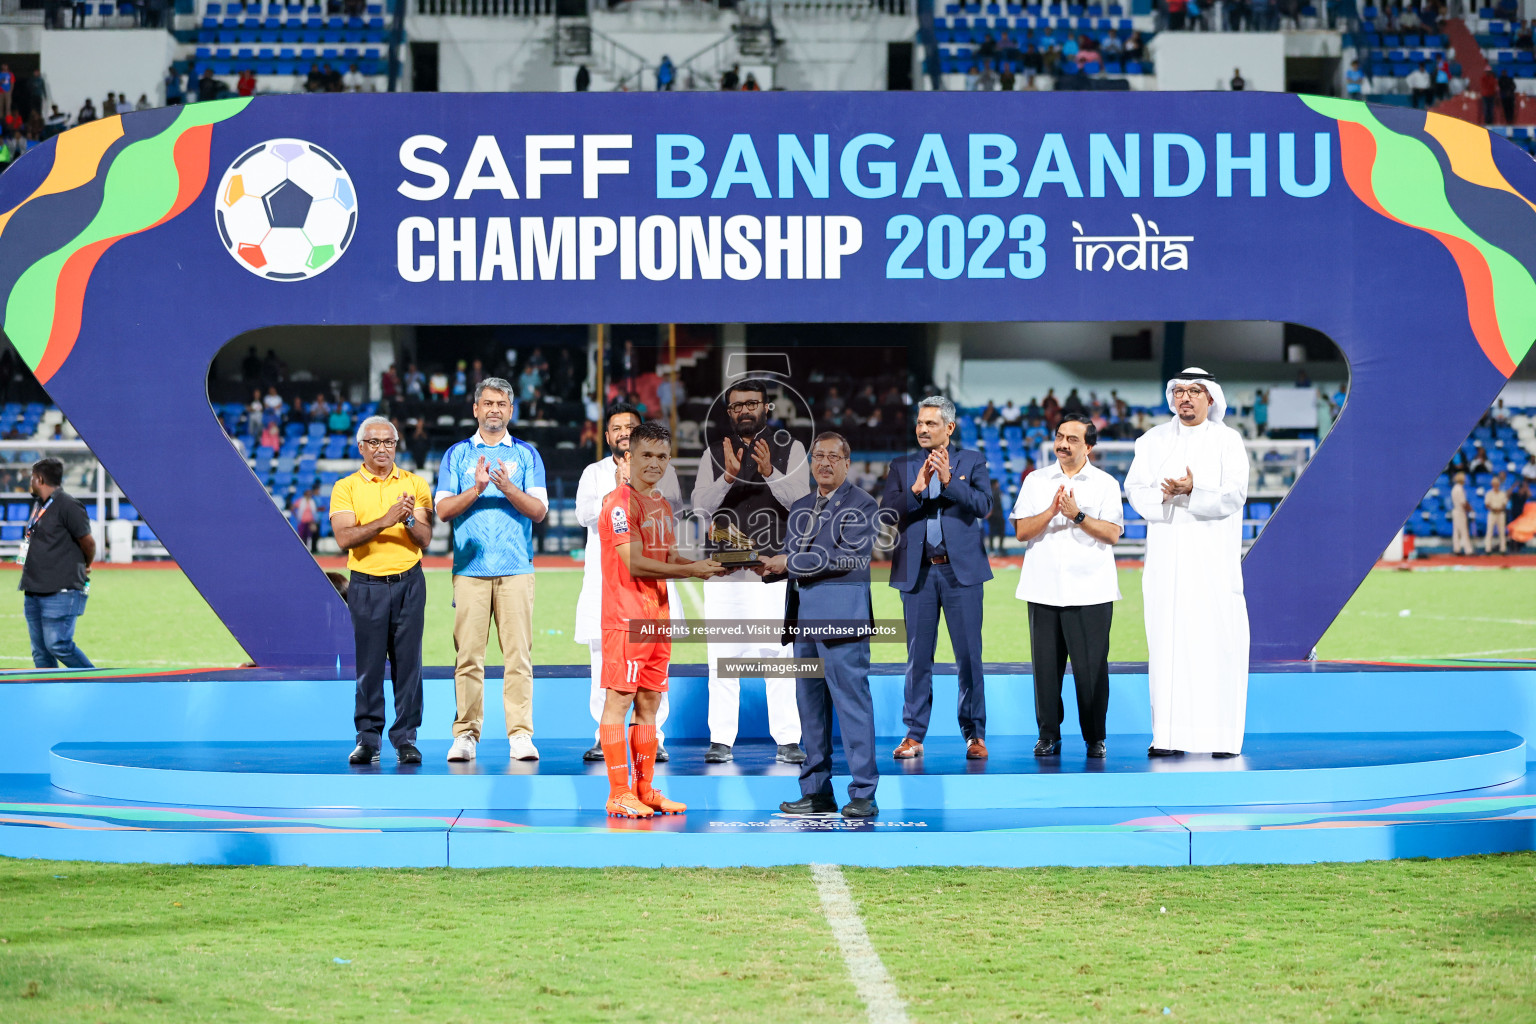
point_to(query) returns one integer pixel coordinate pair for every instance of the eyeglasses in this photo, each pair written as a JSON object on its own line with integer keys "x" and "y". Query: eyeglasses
{"x": 830, "y": 460}
{"x": 376, "y": 444}
{"x": 736, "y": 407}
{"x": 1189, "y": 392}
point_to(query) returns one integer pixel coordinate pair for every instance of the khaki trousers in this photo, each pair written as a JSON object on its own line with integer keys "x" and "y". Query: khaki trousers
{"x": 1496, "y": 527}
{"x": 509, "y": 601}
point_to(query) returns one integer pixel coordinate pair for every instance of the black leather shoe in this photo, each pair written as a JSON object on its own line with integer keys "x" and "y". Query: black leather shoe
{"x": 810, "y": 807}
{"x": 1047, "y": 748}
{"x": 1161, "y": 752}
{"x": 595, "y": 753}
{"x": 860, "y": 808}
{"x": 408, "y": 754}
{"x": 364, "y": 754}
{"x": 1096, "y": 748}
{"x": 790, "y": 753}
{"x": 1222, "y": 755}
{"x": 718, "y": 753}
{"x": 662, "y": 757}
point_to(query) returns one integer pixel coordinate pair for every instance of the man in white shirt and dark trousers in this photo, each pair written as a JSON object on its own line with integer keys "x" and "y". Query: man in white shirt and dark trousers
{"x": 597, "y": 482}
{"x": 1070, "y": 513}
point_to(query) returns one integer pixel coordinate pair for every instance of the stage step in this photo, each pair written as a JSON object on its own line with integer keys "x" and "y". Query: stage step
{"x": 1274, "y": 769}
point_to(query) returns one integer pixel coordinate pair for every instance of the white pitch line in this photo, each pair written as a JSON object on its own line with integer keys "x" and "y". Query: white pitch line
{"x": 882, "y": 1003}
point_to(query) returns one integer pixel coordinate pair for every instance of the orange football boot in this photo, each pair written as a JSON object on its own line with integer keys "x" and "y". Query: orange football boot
{"x": 627, "y": 805}
{"x": 653, "y": 798}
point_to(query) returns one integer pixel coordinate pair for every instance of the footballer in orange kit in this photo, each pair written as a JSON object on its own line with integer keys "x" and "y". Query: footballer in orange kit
{"x": 639, "y": 557}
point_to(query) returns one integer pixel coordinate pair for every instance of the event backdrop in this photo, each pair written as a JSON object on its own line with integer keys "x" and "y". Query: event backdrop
{"x": 134, "y": 247}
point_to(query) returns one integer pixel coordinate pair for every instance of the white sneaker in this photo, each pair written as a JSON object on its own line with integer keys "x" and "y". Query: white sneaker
{"x": 522, "y": 748}
{"x": 463, "y": 749}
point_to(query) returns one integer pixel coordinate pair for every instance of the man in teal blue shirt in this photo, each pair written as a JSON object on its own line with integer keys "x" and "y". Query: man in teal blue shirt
{"x": 491, "y": 488}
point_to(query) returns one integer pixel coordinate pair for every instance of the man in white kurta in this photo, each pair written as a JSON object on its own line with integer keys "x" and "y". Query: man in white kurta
{"x": 1189, "y": 481}
{"x": 597, "y": 482}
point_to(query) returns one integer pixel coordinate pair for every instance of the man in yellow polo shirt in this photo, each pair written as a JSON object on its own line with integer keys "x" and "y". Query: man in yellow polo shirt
{"x": 382, "y": 518}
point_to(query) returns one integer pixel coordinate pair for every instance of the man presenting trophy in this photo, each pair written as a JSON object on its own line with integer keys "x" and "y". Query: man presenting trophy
{"x": 747, "y": 481}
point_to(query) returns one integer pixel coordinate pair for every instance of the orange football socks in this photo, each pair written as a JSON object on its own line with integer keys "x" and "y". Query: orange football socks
{"x": 615, "y": 757}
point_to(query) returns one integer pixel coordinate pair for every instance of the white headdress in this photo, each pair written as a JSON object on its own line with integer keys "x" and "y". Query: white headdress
{"x": 1195, "y": 375}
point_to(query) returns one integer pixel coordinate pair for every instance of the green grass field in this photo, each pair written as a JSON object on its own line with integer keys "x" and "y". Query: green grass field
{"x": 154, "y": 619}
{"x": 1395, "y": 941}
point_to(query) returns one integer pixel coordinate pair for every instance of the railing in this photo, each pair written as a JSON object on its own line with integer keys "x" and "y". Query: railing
{"x": 487, "y": 8}
{"x": 579, "y": 42}
{"x": 826, "y": 8}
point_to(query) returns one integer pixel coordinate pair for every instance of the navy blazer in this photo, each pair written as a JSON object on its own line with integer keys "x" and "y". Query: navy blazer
{"x": 830, "y": 578}
{"x": 963, "y": 509}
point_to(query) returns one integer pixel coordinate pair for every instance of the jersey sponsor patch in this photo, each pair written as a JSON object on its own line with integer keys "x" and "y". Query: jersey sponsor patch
{"x": 620, "y": 520}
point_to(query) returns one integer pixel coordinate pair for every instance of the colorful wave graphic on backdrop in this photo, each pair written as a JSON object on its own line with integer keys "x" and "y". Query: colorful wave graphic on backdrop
{"x": 1399, "y": 175}
{"x": 128, "y": 178}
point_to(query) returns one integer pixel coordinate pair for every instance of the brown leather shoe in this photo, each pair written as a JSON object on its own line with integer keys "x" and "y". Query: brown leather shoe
{"x": 908, "y": 748}
{"x": 976, "y": 750}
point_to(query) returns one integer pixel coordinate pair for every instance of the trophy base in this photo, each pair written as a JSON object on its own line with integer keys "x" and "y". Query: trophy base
{"x": 737, "y": 559}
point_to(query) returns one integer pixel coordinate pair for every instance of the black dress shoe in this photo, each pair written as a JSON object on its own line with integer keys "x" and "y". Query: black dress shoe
{"x": 595, "y": 753}
{"x": 860, "y": 808}
{"x": 662, "y": 757}
{"x": 718, "y": 753}
{"x": 810, "y": 807}
{"x": 1096, "y": 748}
{"x": 1047, "y": 748}
{"x": 790, "y": 753}
{"x": 1162, "y": 752}
{"x": 363, "y": 754}
{"x": 408, "y": 754}
{"x": 1222, "y": 755}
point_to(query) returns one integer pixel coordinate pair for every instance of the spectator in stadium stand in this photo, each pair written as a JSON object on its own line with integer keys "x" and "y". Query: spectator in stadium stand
{"x": 389, "y": 384}
{"x": 730, "y": 81}
{"x": 57, "y": 550}
{"x": 476, "y": 373}
{"x": 491, "y": 487}
{"x": 306, "y": 510}
{"x": 340, "y": 422}
{"x": 332, "y": 77}
{"x": 314, "y": 81}
{"x": 1073, "y": 404}
{"x": 973, "y": 78}
{"x": 666, "y": 74}
{"x": 1496, "y": 501}
{"x": 56, "y": 120}
{"x": 1479, "y": 462}
{"x": 1419, "y": 85}
{"x": 1354, "y": 81}
{"x": 1135, "y": 48}
{"x": 382, "y": 518}
{"x": 415, "y": 384}
{"x": 1237, "y": 84}
{"x": 583, "y": 78}
{"x": 353, "y": 80}
{"x": 1523, "y": 37}
{"x": 460, "y": 386}
{"x": 749, "y": 84}
{"x": 1261, "y": 413}
{"x": 989, "y": 414}
{"x": 271, "y": 436}
{"x": 1010, "y": 413}
{"x": 1006, "y": 80}
{"x": 7, "y": 89}
{"x": 1507, "y": 95}
{"x": 319, "y": 409}
{"x": 597, "y": 482}
{"x": 87, "y": 112}
{"x": 1177, "y": 11}
{"x": 1238, "y": 12}
{"x": 246, "y": 85}
{"x": 420, "y": 444}
{"x": 1071, "y": 516}
{"x": 997, "y": 522}
{"x": 1461, "y": 537}
{"x": 940, "y": 497}
{"x": 207, "y": 86}
{"x": 173, "y": 93}
{"x": 273, "y": 402}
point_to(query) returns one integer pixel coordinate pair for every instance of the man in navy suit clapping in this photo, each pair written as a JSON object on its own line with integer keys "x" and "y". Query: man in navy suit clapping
{"x": 827, "y": 615}
{"x": 939, "y": 498}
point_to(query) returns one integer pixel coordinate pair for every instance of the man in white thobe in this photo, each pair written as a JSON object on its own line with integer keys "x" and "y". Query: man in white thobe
{"x": 597, "y": 482}
{"x": 1189, "y": 481}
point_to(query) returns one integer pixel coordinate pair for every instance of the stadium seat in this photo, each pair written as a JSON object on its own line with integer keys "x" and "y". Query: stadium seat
{"x": 126, "y": 511}
{"x": 146, "y": 534}
{"x": 10, "y": 532}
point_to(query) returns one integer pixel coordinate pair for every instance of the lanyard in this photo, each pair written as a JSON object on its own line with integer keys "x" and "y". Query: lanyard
{"x": 27, "y": 534}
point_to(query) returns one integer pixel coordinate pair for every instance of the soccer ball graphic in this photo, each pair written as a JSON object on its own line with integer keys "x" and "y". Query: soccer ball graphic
{"x": 286, "y": 210}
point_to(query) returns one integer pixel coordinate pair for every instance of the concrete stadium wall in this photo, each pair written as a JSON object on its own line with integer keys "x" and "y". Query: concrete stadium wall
{"x": 129, "y": 61}
{"x": 490, "y": 54}
{"x": 1204, "y": 60}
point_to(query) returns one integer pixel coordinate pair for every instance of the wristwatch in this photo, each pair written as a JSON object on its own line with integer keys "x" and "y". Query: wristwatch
{"x": 1078, "y": 519}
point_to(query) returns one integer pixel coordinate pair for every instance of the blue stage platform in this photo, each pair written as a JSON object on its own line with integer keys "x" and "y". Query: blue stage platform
{"x": 246, "y": 768}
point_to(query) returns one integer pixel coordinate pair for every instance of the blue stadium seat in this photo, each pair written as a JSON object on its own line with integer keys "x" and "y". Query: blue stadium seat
{"x": 126, "y": 511}
{"x": 1136, "y": 531}
{"x": 145, "y": 533}
{"x": 12, "y": 532}
{"x": 18, "y": 511}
